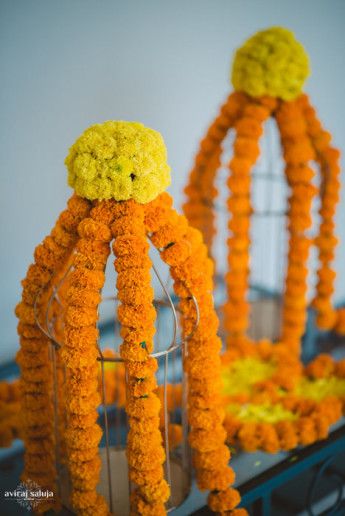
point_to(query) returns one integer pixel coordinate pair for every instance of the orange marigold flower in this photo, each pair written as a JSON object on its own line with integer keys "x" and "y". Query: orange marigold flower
{"x": 80, "y": 316}
{"x": 340, "y": 368}
{"x": 268, "y": 437}
{"x": 126, "y": 225}
{"x": 142, "y": 369}
{"x": 217, "y": 479}
{"x": 157, "y": 212}
{"x": 177, "y": 253}
{"x": 128, "y": 278}
{"x": 130, "y": 244}
{"x": 82, "y": 297}
{"x": 224, "y": 500}
{"x": 249, "y": 127}
{"x": 142, "y": 507}
{"x": 151, "y": 476}
{"x": 125, "y": 263}
{"x": 137, "y": 316}
{"x": 63, "y": 237}
{"x": 248, "y": 436}
{"x": 46, "y": 258}
{"x": 147, "y": 407}
{"x": 247, "y": 148}
{"x": 239, "y": 205}
{"x": 156, "y": 493}
{"x": 307, "y": 431}
{"x": 326, "y": 320}
{"x": 74, "y": 359}
{"x": 146, "y": 462}
{"x": 256, "y": 111}
{"x": 136, "y": 295}
{"x": 286, "y": 431}
{"x": 140, "y": 335}
{"x": 204, "y": 440}
{"x": 78, "y": 206}
{"x": 170, "y": 233}
{"x": 83, "y": 499}
{"x": 91, "y": 254}
{"x": 207, "y": 460}
{"x": 87, "y": 279}
{"x": 81, "y": 456}
{"x": 142, "y": 387}
{"x": 80, "y": 338}
{"x": 104, "y": 211}
{"x": 321, "y": 367}
{"x": 83, "y": 405}
{"x": 86, "y": 470}
{"x": 240, "y": 165}
{"x": 82, "y": 438}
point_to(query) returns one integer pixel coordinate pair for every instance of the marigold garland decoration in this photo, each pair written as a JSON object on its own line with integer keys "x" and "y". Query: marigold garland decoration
{"x": 268, "y": 75}
{"x": 303, "y": 140}
{"x": 124, "y": 219}
{"x": 181, "y": 247}
{"x": 36, "y": 381}
{"x": 328, "y": 158}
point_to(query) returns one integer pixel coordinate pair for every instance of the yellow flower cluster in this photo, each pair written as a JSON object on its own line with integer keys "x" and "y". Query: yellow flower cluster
{"x": 272, "y": 62}
{"x": 118, "y": 160}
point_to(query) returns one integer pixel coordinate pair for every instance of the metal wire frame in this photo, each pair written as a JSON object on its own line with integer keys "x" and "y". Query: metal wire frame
{"x": 270, "y": 212}
{"x": 48, "y": 328}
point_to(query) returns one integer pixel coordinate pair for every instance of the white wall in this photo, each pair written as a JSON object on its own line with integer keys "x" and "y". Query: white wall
{"x": 66, "y": 64}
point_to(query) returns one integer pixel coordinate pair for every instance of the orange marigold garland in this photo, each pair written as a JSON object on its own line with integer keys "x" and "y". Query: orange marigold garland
{"x": 328, "y": 158}
{"x": 248, "y": 129}
{"x": 181, "y": 247}
{"x": 340, "y": 324}
{"x": 201, "y": 190}
{"x": 137, "y": 315}
{"x": 79, "y": 355}
{"x": 298, "y": 153}
{"x": 10, "y": 418}
{"x": 33, "y": 357}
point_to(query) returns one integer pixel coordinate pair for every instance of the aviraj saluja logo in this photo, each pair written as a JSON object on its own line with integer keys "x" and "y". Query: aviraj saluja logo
{"x": 29, "y": 495}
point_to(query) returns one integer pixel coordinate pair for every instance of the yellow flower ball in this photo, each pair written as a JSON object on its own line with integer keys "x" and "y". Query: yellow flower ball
{"x": 118, "y": 160}
{"x": 272, "y": 62}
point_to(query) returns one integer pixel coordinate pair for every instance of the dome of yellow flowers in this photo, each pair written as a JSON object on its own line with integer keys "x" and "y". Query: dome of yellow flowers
{"x": 118, "y": 160}
{"x": 272, "y": 62}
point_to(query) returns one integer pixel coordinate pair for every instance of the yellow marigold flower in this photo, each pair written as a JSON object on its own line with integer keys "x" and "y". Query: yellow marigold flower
{"x": 118, "y": 160}
{"x": 272, "y": 62}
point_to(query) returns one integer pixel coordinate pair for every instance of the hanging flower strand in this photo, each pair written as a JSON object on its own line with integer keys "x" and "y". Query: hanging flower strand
{"x": 181, "y": 247}
{"x": 298, "y": 153}
{"x": 328, "y": 158}
{"x": 79, "y": 354}
{"x": 33, "y": 358}
{"x": 249, "y": 128}
{"x": 137, "y": 315}
{"x": 201, "y": 189}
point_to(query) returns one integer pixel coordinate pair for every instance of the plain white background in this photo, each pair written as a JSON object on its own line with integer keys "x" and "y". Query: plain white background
{"x": 66, "y": 64}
